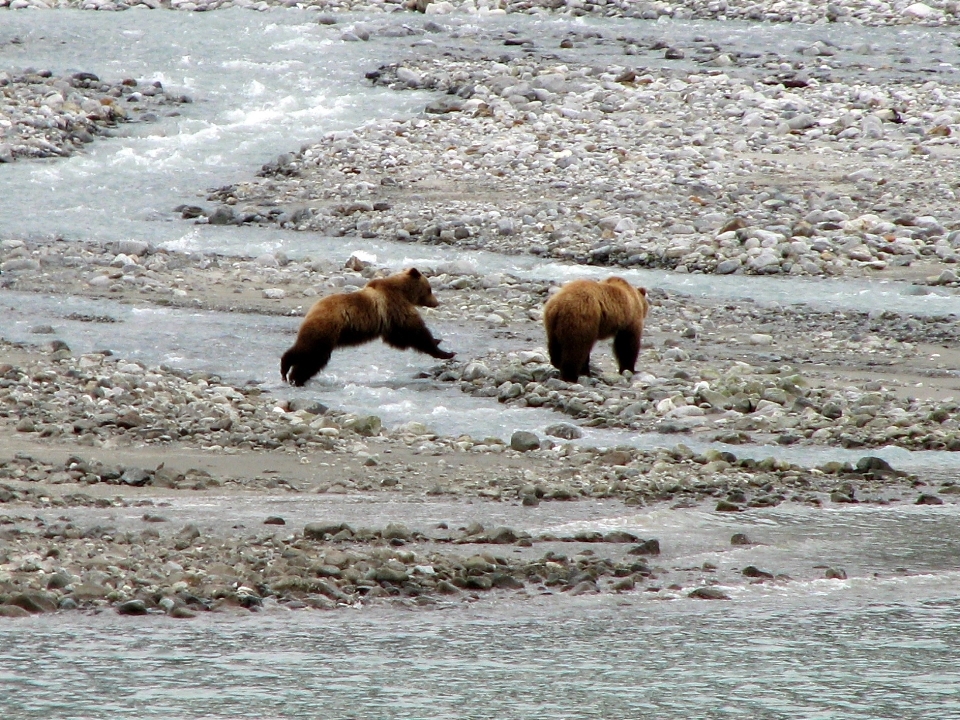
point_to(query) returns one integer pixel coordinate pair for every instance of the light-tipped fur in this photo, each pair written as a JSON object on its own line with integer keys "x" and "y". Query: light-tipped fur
{"x": 385, "y": 308}
{"x": 584, "y": 311}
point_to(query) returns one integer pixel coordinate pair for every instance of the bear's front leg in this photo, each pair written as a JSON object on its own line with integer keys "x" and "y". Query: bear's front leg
{"x": 626, "y": 346}
{"x": 417, "y": 337}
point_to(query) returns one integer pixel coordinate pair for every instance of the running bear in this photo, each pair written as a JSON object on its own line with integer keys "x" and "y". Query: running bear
{"x": 584, "y": 311}
{"x": 385, "y": 308}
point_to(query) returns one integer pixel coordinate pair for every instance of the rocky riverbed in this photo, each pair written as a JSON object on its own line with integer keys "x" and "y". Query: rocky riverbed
{"x": 44, "y": 116}
{"x": 752, "y": 164}
{"x": 901, "y": 12}
{"x": 148, "y": 488}
{"x": 58, "y": 552}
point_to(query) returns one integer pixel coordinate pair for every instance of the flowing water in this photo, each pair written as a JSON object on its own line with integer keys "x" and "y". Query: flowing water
{"x": 880, "y": 645}
{"x": 873, "y": 649}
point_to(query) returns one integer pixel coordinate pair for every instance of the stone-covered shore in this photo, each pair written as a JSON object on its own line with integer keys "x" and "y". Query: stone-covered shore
{"x": 44, "y": 116}
{"x": 933, "y": 13}
{"x": 794, "y": 163}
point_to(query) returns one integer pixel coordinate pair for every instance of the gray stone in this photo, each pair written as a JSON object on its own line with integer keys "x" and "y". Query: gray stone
{"x": 524, "y": 441}
{"x": 317, "y": 530}
{"x": 708, "y": 593}
{"x": 728, "y": 267}
{"x": 223, "y": 215}
{"x": 132, "y": 607}
{"x": 135, "y": 477}
{"x": 565, "y": 431}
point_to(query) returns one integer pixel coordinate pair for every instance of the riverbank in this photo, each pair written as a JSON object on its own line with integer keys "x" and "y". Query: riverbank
{"x": 99, "y": 511}
{"x": 157, "y": 487}
{"x": 934, "y": 13}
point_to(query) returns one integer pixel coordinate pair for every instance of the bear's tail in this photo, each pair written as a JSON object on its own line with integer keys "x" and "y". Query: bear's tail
{"x": 298, "y": 366}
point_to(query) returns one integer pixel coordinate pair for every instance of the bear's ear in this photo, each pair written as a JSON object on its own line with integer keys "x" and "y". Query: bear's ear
{"x": 642, "y": 291}
{"x": 414, "y": 273}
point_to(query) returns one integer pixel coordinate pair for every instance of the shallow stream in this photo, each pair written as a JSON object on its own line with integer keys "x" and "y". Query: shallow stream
{"x": 881, "y": 645}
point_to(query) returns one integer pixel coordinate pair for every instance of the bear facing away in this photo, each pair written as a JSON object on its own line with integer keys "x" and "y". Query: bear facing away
{"x": 584, "y": 311}
{"x": 385, "y": 308}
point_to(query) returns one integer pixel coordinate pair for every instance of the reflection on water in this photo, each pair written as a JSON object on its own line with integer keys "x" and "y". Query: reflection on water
{"x": 853, "y": 653}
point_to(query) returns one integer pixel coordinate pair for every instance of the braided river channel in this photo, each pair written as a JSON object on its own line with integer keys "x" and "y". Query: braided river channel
{"x": 881, "y": 644}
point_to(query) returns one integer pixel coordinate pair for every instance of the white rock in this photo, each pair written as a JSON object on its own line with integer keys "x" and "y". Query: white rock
{"x": 921, "y": 11}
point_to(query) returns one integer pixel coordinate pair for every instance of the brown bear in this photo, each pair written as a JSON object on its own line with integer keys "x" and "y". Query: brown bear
{"x": 584, "y": 311}
{"x": 385, "y": 308}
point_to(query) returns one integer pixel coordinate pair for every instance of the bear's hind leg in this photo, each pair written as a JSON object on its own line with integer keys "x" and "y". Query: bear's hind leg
{"x": 626, "y": 347}
{"x": 574, "y": 363}
{"x": 298, "y": 366}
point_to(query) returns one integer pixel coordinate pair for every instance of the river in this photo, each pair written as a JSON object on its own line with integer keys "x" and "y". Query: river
{"x": 881, "y": 645}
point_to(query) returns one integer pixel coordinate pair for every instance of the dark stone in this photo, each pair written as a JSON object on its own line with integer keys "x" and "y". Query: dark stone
{"x": 619, "y": 536}
{"x": 524, "y": 441}
{"x": 132, "y": 607}
{"x": 530, "y": 500}
{"x": 33, "y": 602}
{"x": 831, "y": 411}
{"x": 740, "y": 539}
{"x": 274, "y": 520}
{"x": 584, "y": 587}
{"x": 708, "y": 593}
{"x": 129, "y": 419}
{"x": 870, "y": 463}
{"x": 317, "y": 530}
{"x": 647, "y": 547}
{"x": 505, "y": 581}
{"x": 387, "y": 574}
{"x": 57, "y": 581}
{"x": 478, "y": 582}
{"x": 135, "y": 477}
{"x": 927, "y": 499}
{"x": 727, "y": 506}
{"x": 751, "y": 571}
{"x": 737, "y": 496}
{"x": 673, "y": 54}
{"x": 503, "y": 535}
{"x": 223, "y": 215}
{"x": 835, "y": 574}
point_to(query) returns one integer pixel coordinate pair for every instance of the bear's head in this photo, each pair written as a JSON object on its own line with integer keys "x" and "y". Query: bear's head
{"x": 640, "y": 293}
{"x": 644, "y": 303}
{"x": 417, "y": 288}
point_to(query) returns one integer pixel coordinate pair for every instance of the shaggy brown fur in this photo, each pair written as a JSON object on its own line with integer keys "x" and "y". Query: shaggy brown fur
{"x": 385, "y": 308}
{"x": 585, "y": 311}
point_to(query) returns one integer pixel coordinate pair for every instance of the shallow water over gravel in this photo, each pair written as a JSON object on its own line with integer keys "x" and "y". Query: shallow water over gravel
{"x": 856, "y": 650}
{"x": 245, "y": 347}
